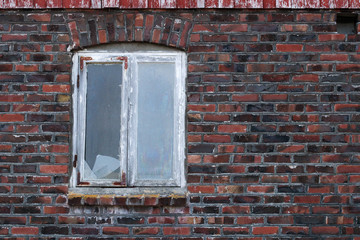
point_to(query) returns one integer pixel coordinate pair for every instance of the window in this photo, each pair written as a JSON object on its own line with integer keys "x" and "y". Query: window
{"x": 129, "y": 110}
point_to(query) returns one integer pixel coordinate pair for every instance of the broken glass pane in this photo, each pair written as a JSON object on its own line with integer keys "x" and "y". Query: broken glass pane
{"x": 102, "y": 134}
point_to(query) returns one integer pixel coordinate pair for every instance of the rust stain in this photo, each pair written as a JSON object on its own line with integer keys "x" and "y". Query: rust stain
{"x": 75, "y": 161}
{"x": 125, "y": 59}
{"x": 82, "y": 59}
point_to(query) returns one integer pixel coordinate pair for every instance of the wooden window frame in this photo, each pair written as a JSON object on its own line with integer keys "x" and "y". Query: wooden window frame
{"x": 129, "y": 115}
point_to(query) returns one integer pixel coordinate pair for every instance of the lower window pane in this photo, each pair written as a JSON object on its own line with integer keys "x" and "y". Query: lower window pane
{"x": 103, "y": 108}
{"x": 155, "y": 125}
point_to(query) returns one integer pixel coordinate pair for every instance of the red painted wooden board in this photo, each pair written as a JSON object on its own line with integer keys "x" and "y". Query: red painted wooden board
{"x": 226, "y": 3}
{"x": 154, "y": 3}
{"x": 272, "y": 4}
{"x": 305, "y": 4}
{"x": 269, "y": 3}
{"x": 110, "y": 3}
{"x": 354, "y": 4}
{"x": 211, "y": 3}
{"x": 125, "y": 4}
{"x": 333, "y": 4}
{"x": 9, "y": 3}
{"x": 76, "y": 3}
{"x": 168, "y": 4}
{"x": 54, "y": 4}
{"x": 25, "y": 4}
{"x": 40, "y": 3}
{"x": 283, "y": 3}
{"x": 249, "y": 4}
{"x": 139, "y": 3}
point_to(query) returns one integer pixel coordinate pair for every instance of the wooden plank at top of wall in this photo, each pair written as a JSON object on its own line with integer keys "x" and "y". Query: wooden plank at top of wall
{"x": 249, "y": 4}
{"x": 354, "y": 4}
{"x": 110, "y": 3}
{"x": 139, "y": 3}
{"x": 25, "y": 4}
{"x": 125, "y": 4}
{"x": 226, "y": 3}
{"x": 9, "y": 3}
{"x": 297, "y": 4}
{"x": 96, "y": 4}
{"x": 211, "y": 3}
{"x": 333, "y": 4}
{"x": 168, "y": 3}
{"x": 190, "y": 3}
{"x": 40, "y": 3}
{"x": 154, "y": 3}
{"x": 76, "y": 3}
{"x": 269, "y": 3}
{"x": 54, "y": 4}
{"x": 283, "y": 3}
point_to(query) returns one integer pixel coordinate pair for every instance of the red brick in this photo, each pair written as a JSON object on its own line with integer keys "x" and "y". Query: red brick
{"x": 25, "y": 230}
{"x": 115, "y": 230}
{"x": 177, "y": 230}
{"x": 11, "y": 118}
{"x": 328, "y": 230}
{"x": 53, "y": 169}
{"x": 289, "y": 47}
{"x": 232, "y": 128}
{"x": 146, "y": 230}
{"x": 56, "y": 88}
{"x": 14, "y": 37}
{"x": 201, "y": 189}
{"x": 265, "y": 230}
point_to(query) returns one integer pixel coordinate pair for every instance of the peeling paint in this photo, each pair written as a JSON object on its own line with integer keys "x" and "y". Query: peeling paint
{"x": 283, "y": 3}
{"x": 164, "y": 4}
{"x": 110, "y": 3}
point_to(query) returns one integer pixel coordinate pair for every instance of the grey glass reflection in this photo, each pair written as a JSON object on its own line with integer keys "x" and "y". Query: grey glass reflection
{"x": 103, "y": 107}
{"x": 155, "y": 129}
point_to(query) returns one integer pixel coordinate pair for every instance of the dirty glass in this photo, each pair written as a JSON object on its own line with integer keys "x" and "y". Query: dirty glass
{"x": 155, "y": 125}
{"x": 102, "y": 134}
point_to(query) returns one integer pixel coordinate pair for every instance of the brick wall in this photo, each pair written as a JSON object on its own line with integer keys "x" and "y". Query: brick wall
{"x": 273, "y": 134}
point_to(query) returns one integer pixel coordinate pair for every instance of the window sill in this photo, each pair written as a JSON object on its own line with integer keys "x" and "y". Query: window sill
{"x": 126, "y": 197}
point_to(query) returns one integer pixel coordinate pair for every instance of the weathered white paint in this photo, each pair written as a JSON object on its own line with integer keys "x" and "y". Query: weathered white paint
{"x": 283, "y": 3}
{"x": 54, "y": 3}
{"x": 1, "y": 3}
{"x": 9, "y": 3}
{"x": 110, "y": 3}
{"x": 354, "y": 4}
{"x": 200, "y": 3}
{"x": 299, "y": 4}
{"x": 254, "y": 4}
{"x": 168, "y": 3}
{"x": 25, "y": 3}
{"x": 96, "y": 4}
{"x": 226, "y": 3}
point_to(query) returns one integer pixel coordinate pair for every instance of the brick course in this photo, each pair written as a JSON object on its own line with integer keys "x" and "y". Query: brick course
{"x": 272, "y": 113}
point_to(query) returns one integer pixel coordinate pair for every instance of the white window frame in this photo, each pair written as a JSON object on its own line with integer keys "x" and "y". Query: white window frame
{"x": 129, "y": 61}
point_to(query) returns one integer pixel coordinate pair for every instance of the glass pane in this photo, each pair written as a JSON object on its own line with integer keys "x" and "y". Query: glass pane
{"x": 155, "y": 129}
{"x": 103, "y": 108}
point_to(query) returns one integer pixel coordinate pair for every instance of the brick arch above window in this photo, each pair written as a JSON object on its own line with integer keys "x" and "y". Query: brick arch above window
{"x": 90, "y": 30}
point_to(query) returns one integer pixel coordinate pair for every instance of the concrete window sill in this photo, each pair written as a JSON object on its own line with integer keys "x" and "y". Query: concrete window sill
{"x": 136, "y": 198}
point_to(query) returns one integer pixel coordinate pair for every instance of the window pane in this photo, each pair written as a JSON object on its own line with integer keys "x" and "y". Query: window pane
{"x": 155, "y": 129}
{"x": 103, "y": 106}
